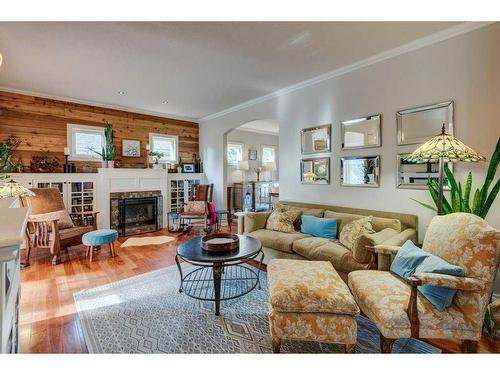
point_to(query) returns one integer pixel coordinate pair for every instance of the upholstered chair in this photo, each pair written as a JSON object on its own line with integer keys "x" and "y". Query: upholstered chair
{"x": 399, "y": 310}
{"x": 197, "y": 208}
{"x": 51, "y": 226}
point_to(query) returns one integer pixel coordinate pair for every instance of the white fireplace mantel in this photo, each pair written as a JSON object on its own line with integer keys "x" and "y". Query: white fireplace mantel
{"x": 112, "y": 180}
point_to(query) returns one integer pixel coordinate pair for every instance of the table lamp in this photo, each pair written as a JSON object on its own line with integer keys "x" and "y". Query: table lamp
{"x": 243, "y": 166}
{"x": 270, "y": 166}
{"x": 444, "y": 148}
{"x": 14, "y": 189}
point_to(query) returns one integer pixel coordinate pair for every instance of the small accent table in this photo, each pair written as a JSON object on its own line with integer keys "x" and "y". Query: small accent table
{"x": 219, "y": 276}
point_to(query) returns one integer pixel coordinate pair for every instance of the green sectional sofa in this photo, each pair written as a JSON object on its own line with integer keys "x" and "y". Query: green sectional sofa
{"x": 391, "y": 228}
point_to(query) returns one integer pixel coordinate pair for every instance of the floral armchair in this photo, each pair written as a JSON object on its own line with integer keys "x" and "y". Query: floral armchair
{"x": 399, "y": 310}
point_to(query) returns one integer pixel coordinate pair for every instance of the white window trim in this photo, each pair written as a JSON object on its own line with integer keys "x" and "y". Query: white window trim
{"x": 176, "y": 146}
{"x": 70, "y": 141}
{"x": 242, "y": 145}
{"x": 262, "y": 147}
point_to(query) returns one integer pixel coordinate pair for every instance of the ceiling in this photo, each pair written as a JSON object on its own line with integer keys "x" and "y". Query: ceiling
{"x": 267, "y": 126}
{"x": 198, "y": 68}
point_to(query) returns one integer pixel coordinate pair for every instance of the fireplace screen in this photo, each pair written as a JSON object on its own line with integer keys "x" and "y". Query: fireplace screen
{"x": 138, "y": 215}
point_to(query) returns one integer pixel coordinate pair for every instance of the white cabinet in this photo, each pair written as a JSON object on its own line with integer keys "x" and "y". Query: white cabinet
{"x": 78, "y": 191}
{"x": 180, "y": 188}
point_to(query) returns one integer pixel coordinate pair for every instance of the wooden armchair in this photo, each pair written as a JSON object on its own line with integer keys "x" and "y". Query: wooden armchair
{"x": 197, "y": 207}
{"x": 399, "y": 310}
{"x": 51, "y": 226}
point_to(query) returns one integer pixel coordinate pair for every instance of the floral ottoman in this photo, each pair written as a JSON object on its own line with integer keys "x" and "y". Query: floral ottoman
{"x": 310, "y": 302}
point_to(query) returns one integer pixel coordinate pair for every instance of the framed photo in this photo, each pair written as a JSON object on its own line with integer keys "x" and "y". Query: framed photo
{"x": 131, "y": 148}
{"x": 188, "y": 168}
{"x": 315, "y": 171}
{"x": 252, "y": 154}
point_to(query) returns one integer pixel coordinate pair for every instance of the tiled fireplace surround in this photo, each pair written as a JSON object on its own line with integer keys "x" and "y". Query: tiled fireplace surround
{"x": 118, "y": 221}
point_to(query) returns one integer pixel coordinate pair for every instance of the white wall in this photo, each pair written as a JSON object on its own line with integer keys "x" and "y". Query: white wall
{"x": 464, "y": 69}
{"x": 252, "y": 140}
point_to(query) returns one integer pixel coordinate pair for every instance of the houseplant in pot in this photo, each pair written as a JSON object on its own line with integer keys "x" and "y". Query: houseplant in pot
{"x": 156, "y": 156}
{"x": 108, "y": 152}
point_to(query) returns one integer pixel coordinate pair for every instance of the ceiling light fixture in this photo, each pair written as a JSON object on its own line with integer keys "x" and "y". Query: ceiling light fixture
{"x": 165, "y": 102}
{"x": 121, "y": 92}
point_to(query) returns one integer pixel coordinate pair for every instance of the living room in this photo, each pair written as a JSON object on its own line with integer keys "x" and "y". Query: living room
{"x": 260, "y": 187}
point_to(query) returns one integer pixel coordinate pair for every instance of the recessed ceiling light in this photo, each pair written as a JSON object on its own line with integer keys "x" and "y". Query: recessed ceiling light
{"x": 121, "y": 92}
{"x": 165, "y": 102}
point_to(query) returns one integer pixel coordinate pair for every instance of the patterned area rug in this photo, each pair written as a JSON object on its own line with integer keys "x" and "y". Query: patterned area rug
{"x": 147, "y": 314}
{"x": 143, "y": 241}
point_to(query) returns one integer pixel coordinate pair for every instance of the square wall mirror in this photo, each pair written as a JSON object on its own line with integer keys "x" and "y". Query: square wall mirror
{"x": 361, "y": 171}
{"x": 316, "y": 140}
{"x": 362, "y": 132}
{"x": 315, "y": 171}
{"x": 414, "y": 174}
{"x": 418, "y": 125}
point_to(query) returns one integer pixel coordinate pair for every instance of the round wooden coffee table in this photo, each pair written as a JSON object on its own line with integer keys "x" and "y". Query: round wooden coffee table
{"x": 219, "y": 276}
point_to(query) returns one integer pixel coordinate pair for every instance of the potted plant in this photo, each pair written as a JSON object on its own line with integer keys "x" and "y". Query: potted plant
{"x": 108, "y": 152}
{"x": 156, "y": 155}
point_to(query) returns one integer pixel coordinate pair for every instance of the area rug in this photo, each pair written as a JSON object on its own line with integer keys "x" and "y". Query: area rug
{"x": 147, "y": 314}
{"x": 143, "y": 241}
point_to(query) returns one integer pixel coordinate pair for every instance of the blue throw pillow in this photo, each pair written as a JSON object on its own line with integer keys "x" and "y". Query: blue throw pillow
{"x": 319, "y": 226}
{"x": 411, "y": 259}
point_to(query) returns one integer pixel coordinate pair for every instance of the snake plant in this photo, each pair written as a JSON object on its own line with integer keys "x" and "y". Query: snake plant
{"x": 460, "y": 196}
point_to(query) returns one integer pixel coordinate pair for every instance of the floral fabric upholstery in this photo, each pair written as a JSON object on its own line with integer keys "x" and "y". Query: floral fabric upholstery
{"x": 322, "y": 327}
{"x": 282, "y": 220}
{"x": 450, "y": 281}
{"x": 355, "y": 229}
{"x": 462, "y": 239}
{"x": 196, "y": 207}
{"x": 309, "y": 301}
{"x": 383, "y": 297}
{"x": 301, "y": 286}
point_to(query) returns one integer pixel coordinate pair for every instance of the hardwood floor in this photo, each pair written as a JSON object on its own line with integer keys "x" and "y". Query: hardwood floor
{"x": 48, "y": 320}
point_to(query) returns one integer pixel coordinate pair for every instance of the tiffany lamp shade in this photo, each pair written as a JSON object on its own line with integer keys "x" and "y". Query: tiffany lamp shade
{"x": 14, "y": 189}
{"x": 444, "y": 148}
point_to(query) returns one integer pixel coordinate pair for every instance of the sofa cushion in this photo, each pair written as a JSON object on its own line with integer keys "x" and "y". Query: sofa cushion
{"x": 277, "y": 240}
{"x": 355, "y": 229}
{"x": 315, "y": 248}
{"x": 303, "y": 286}
{"x": 63, "y": 219}
{"x": 282, "y": 220}
{"x": 318, "y": 212}
{"x": 253, "y": 221}
{"x": 319, "y": 226}
{"x": 378, "y": 223}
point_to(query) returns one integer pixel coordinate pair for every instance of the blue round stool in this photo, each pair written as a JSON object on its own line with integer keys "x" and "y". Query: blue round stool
{"x": 100, "y": 237}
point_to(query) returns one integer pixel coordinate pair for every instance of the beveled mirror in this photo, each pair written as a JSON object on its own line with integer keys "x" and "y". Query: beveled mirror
{"x": 362, "y": 132}
{"x": 414, "y": 175}
{"x": 315, "y": 140}
{"x": 361, "y": 171}
{"x": 418, "y": 125}
{"x": 315, "y": 171}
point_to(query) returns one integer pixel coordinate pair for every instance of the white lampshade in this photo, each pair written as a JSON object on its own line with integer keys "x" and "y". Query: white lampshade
{"x": 269, "y": 166}
{"x": 243, "y": 165}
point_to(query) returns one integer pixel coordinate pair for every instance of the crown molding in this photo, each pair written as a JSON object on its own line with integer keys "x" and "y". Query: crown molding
{"x": 96, "y": 104}
{"x": 440, "y": 36}
{"x": 267, "y": 132}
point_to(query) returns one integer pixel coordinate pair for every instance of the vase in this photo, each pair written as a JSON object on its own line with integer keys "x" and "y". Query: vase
{"x": 111, "y": 163}
{"x": 104, "y": 164}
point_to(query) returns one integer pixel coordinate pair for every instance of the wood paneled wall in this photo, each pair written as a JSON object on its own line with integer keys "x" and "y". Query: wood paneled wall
{"x": 41, "y": 125}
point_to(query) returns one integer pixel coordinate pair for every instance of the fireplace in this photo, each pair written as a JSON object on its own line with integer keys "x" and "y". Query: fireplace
{"x": 136, "y": 212}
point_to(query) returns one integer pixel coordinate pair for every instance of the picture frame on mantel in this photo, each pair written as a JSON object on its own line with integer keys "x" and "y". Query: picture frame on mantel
{"x": 131, "y": 148}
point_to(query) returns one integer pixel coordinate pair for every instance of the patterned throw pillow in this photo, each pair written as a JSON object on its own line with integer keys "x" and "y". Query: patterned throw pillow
{"x": 196, "y": 207}
{"x": 355, "y": 229}
{"x": 282, "y": 219}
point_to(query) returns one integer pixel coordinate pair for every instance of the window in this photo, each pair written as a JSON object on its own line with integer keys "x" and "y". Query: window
{"x": 234, "y": 153}
{"x": 83, "y": 140}
{"x": 268, "y": 154}
{"x": 166, "y": 144}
